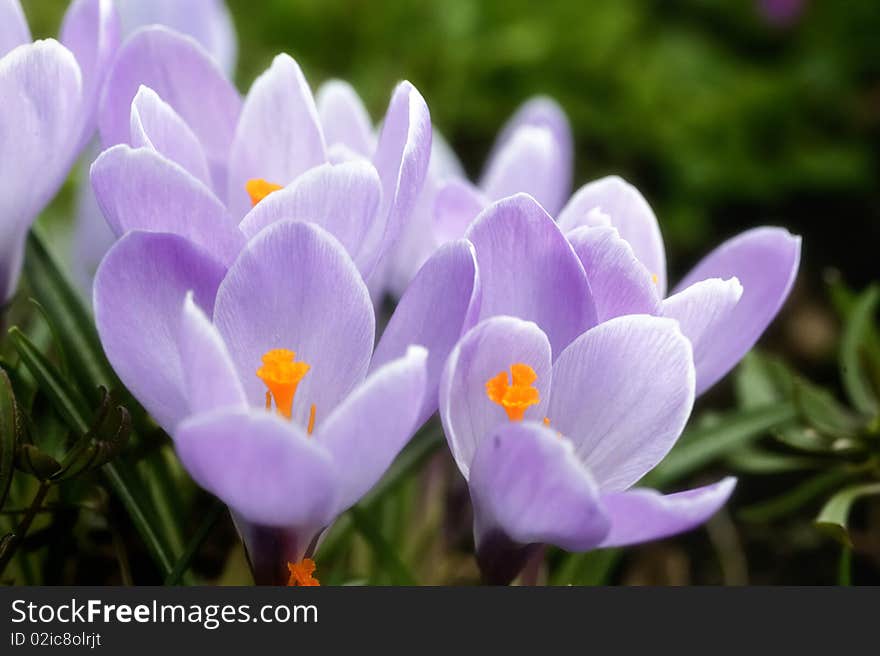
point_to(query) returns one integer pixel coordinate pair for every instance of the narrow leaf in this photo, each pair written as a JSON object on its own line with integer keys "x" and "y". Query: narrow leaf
{"x": 852, "y": 350}
{"x": 835, "y": 513}
{"x": 8, "y": 435}
{"x": 384, "y": 552}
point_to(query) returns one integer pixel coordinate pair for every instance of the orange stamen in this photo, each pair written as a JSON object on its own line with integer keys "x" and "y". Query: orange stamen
{"x": 282, "y": 373}
{"x": 301, "y": 573}
{"x": 258, "y": 189}
{"x": 312, "y": 419}
{"x": 515, "y": 398}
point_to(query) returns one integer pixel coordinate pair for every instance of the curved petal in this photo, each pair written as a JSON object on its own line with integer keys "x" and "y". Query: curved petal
{"x": 527, "y": 484}
{"x": 456, "y": 205}
{"x": 369, "y": 428}
{"x": 438, "y": 307}
{"x": 155, "y": 124}
{"x": 765, "y": 260}
{"x": 41, "y": 89}
{"x": 344, "y": 118}
{"x": 185, "y": 76}
{"x": 138, "y": 189}
{"x": 402, "y": 155}
{"x": 629, "y": 213}
{"x": 341, "y": 198}
{"x": 531, "y": 162}
{"x": 91, "y": 31}
{"x": 529, "y": 270}
{"x": 14, "y": 29}
{"x": 207, "y": 21}
{"x": 488, "y": 349}
{"x": 209, "y": 377}
{"x": 294, "y": 287}
{"x": 138, "y": 295}
{"x": 278, "y": 135}
{"x": 264, "y": 468}
{"x": 640, "y": 515}
{"x": 704, "y": 312}
{"x": 620, "y": 283}
{"x": 622, "y": 393}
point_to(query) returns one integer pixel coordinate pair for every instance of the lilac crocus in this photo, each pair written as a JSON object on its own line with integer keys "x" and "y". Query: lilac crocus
{"x": 551, "y": 442}
{"x": 188, "y": 143}
{"x": 265, "y": 374}
{"x": 49, "y": 92}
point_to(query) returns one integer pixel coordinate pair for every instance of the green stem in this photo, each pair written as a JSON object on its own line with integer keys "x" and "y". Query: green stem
{"x": 195, "y": 544}
{"x": 24, "y": 525}
{"x": 844, "y": 567}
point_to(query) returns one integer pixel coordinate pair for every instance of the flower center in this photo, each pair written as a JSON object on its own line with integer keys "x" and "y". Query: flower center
{"x": 258, "y": 189}
{"x": 301, "y": 573}
{"x": 514, "y": 392}
{"x": 281, "y": 374}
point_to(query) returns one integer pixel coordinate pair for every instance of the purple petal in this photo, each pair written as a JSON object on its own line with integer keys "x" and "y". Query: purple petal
{"x": 438, "y": 307}
{"x": 704, "y": 312}
{"x": 622, "y": 392}
{"x": 278, "y": 135}
{"x": 456, "y": 205}
{"x": 401, "y": 157}
{"x": 265, "y": 468}
{"x": 490, "y": 348}
{"x": 620, "y": 283}
{"x": 185, "y": 76}
{"x": 138, "y": 189}
{"x": 14, "y": 29}
{"x": 628, "y": 211}
{"x": 294, "y": 287}
{"x": 765, "y": 260}
{"x": 527, "y": 484}
{"x": 139, "y": 291}
{"x": 155, "y": 124}
{"x": 369, "y": 428}
{"x": 529, "y": 270}
{"x": 341, "y": 198}
{"x": 640, "y": 515}
{"x": 41, "y": 89}
{"x": 531, "y": 162}
{"x": 91, "y": 31}
{"x": 210, "y": 381}
{"x": 344, "y": 118}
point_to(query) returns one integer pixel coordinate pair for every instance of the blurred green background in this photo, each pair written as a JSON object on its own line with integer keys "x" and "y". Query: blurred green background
{"x": 722, "y": 116}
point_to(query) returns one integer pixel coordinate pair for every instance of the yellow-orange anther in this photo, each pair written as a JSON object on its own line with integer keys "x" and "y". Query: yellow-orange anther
{"x": 312, "y": 419}
{"x": 258, "y": 189}
{"x": 281, "y": 374}
{"x": 301, "y": 573}
{"x": 655, "y": 278}
{"x": 516, "y": 392}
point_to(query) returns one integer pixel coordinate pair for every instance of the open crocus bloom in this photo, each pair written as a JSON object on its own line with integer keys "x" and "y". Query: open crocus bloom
{"x": 265, "y": 376}
{"x": 550, "y": 443}
{"x": 49, "y": 93}
{"x": 189, "y": 147}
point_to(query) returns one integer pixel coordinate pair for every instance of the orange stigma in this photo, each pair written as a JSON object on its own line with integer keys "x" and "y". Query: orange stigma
{"x": 515, "y": 392}
{"x": 258, "y": 189}
{"x": 281, "y": 373}
{"x": 301, "y": 573}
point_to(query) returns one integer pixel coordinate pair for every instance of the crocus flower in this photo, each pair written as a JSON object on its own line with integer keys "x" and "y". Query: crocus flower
{"x": 49, "y": 92}
{"x": 551, "y": 442}
{"x": 189, "y": 145}
{"x": 265, "y": 374}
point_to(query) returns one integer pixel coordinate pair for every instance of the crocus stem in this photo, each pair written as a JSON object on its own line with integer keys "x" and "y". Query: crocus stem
{"x": 24, "y": 525}
{"x": 501, "y": 560}
{"x": 531, "y": 573}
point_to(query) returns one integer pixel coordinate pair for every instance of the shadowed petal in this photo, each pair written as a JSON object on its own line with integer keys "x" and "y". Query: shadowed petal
{"x": 490, "y": 348}
{"x": 341, "y": 198}
{"x": 456, "y": 205}
{"x": 640, "y": 515}
{"x": 529, "y": 270}
{"x": 344, "y": 118}
{"x": 294, "y": 287}
{"x": 619, "y": 282}
{"x": 438, "y": 307}
{"x": 369, "y": 428}
{"x": 704, "y": 312}
{"x": 14, "y": 29}
{"x": 765, "y": 260}
{"x": 139, "y": 291}
{"x": 622, "y": 392}
{"x": 628, "y": 211}
{"x": 138, "y": 189}
{"x": 265, "y": 468}
{"x": 278, "y": 135}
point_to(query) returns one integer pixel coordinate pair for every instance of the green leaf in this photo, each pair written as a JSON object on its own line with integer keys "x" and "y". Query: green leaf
{"x": 752, "y": 460}
{"x": 204, "y": 530}
{"x": 835, "y": 513}
{"x": 854, "y": 340}
{"x": 795, "y": 498}
{"x": 31, "y": 460}
{"x": 701, "y": 446}
{"x": 824, "y": 412}
{"x": 760, "y": 381}
{"x": 590, "y": 568}
{"x": 383, "y": 550}
{"x": 9, "y": 430}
